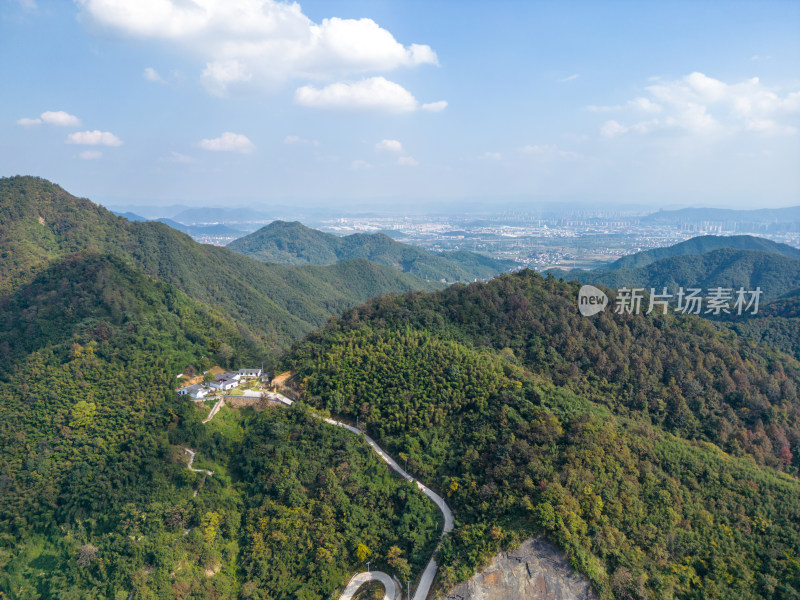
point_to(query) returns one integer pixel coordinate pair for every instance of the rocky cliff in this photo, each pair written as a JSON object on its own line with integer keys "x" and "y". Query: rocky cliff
{"x": 534, "y": 571}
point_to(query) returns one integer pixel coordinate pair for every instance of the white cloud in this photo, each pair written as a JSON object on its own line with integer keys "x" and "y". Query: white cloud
{"x": 374, "y": 93}
{"x": 229, "y": 142}
{"x": 94, "y": 138}
{"x": 389, "y": 146}
{"x": 492, "y": 155}
{"x": 28, "y": 5}
{"x": 612, "y": 129}
{"x": 52, "y": 117}
{"x": 359, "y": 164}
{"x": 177, "y": 157}
{"x": 90, "y": 155}
{"x": 150, "y": 74}
{"x": 220, "y": 74}
{"x": 407, "y": 161}
{"x": 701, "y": 105}
{"x": 435, "y": 106}
{"x": 570, "y": 78}
{"x": 60, "y": 118}
{"x": 264, "y": 40}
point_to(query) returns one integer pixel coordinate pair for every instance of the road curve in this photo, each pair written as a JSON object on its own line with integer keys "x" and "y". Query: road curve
{"x": 360, "y": 579}
{"x": 425, "y": 582}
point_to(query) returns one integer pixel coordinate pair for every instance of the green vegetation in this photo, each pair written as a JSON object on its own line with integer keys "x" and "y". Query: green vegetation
{"x": 272, "y": 304}
{"x": 701, "y": 245}
{"x": 319, "y": 503}
{"x": 660, "y": 452}
{"x": 96, "y": 498}
{"x": 530, "y": 417}
{"x": 295, "y": 244}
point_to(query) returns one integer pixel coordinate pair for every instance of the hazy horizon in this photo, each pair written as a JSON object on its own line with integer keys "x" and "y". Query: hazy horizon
{"x": 355, "y": 103}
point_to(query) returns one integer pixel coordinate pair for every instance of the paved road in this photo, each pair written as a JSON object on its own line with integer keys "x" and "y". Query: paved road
{"x": 361, "y": 578}
{"x": 425, "y": 582}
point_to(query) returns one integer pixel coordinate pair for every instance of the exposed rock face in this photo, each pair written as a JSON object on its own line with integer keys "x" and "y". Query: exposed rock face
{"x": 534, "y": 571}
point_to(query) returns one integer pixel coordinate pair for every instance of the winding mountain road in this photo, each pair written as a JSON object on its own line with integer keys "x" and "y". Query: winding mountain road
{"x": 425, "y": 582}
{"x": 359, "y": 579}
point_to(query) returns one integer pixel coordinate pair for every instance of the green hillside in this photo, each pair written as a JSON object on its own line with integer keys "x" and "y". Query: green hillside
{"x": 775, "y": 274}
{"x": 701, "y": 245}
{"x": 95, "y": 497}
{"x": 295, "y": 244}
{"x": 659, "y": 453}
{"x": 40, "y": 222}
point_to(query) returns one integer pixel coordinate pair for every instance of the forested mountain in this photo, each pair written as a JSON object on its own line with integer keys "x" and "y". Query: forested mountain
{"x": 40, "y": 222}
{"x": 96, "y": 500}
{"x": 775, "y": 268}
{"x": 295, "y": 244}
{"x": 777, "y": 324}
{"x": 775, "y": 274}
{"x": 659, "y": 452}
{"x": 701, "y": 245}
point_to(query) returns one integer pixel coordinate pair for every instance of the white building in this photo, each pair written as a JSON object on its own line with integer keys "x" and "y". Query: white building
{"x": 196, "y": 391}
{"x": 249, "y": 373}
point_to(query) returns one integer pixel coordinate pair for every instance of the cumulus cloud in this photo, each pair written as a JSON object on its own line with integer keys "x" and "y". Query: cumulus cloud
{"x": 94, "y": 138}
{"x": 150, "y": 74}
{"x": 261, "y": 40}
{"x": 435, "y": 106}
{"x": 90, "y": 155}
{"x": 407, "y": 161}
{"x": 229, "y": 142}
{"x": 701, "y": 105}
{"x": 359, "y": 164}
{"x": 52, "y": 117}
{"x": 389, "y": 146}
{"x": 373, "y": 93}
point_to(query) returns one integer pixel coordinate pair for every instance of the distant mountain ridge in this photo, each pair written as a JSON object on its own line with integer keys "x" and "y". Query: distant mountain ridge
{"x": 700, "y": 245}
{"x": 200, "y": 230}
{"x": 292, "y": 243}
{"x": 758, "y": 215}
{"x": 705, "y": 261}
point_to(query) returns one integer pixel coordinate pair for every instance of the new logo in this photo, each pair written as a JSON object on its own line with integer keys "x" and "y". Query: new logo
{"x": 591, "y": 300}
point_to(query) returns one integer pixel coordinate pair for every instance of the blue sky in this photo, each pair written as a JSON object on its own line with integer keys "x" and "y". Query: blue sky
{"x": 255, "y": 102}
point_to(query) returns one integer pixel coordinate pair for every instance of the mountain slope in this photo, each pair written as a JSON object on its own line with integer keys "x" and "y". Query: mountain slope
{"x": 296, "y": 244}
{"x": 701, "y": 245}
{"x": 606, "y": 433}
{"x": 92, "y": 483}
{"x": 95, "y": 497}
{"x": 727, "y": 267}
{"x": 40, "y": 222}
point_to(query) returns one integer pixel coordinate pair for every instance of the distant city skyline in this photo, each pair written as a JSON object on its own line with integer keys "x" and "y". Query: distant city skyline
{"x": 350, "y": 104}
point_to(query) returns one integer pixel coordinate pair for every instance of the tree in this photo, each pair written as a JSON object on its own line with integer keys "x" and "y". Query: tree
{"x": 363, "y": 553}
{"x": 86, "y": 555}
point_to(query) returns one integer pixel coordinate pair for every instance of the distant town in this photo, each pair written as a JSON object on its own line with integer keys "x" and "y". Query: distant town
{"x": 566, "y": 239}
